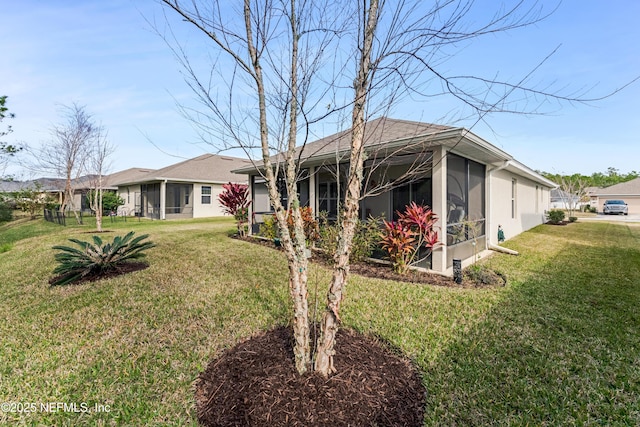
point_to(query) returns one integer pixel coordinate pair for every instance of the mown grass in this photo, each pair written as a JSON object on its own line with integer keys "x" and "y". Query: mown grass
{"x": 559, "y": 345}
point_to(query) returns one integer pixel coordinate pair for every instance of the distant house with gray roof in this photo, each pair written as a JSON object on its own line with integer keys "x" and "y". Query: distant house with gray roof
{"x": 188, "y": 189}
{"x": 628, "y": 191}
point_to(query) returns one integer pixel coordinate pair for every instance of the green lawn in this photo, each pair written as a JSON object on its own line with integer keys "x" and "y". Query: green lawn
{"x": 559, "y": 345}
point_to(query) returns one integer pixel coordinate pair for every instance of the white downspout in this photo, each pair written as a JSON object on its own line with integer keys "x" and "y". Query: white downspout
{"x": 489, "y": 223}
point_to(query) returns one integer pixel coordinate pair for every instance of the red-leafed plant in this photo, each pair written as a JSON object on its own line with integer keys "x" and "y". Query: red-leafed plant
{"x": 404, "y": 239}
{"x": 235, "y": 201}
{"x": 309, "y": 223}
{"x": 398, "y": 241}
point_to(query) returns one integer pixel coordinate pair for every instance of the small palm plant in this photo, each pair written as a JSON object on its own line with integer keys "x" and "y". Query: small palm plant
{"x": 94, "y": 259}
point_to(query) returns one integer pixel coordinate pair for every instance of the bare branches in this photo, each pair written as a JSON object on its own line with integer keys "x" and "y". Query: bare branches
{"x": 68, "y": 152}
{"x": 282, "y": 69}
{"x": 97, "y": 165}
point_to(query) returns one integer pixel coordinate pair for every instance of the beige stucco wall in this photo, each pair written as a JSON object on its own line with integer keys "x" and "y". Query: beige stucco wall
{"x": 128, "y": 194}
{"x": 201, "y": 210}
{"x": 532, "y": 200}
{"x": 77, "y": 200}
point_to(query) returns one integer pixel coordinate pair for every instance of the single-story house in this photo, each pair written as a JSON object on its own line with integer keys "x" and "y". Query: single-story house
{"x": 468, "y": 182}
{"x": 188, "y": 189}
{"x": 563, "y": 200}
{"x": 54, "y": 187}
{"x": 628, "y": 191}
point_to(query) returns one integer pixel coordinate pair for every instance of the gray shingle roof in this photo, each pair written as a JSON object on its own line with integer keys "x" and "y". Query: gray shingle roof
{"x": 126, "y": 176}
{"x": 45, "y": 184}
{"x": 631, "y": 188}
{"x": 378, "y": 131}
{"x": 205, "y": 168}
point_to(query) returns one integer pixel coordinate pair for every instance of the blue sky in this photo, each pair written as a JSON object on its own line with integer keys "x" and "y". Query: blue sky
{"x": 104, "y": 55}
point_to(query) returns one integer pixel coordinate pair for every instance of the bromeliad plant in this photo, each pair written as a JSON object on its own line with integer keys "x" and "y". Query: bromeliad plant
{"x": 405, "y": 239}
{"x": 94, "y": 259}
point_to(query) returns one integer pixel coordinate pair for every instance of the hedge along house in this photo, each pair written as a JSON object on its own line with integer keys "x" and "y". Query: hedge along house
{"x": 472, "y": 186}
{"x": 188, "y": 189}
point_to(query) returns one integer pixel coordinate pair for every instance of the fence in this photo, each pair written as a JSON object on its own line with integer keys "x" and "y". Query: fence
{"x": 56, "y": 216}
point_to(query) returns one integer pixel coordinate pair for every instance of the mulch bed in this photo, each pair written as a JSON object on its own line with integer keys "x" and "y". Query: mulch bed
{"x": 255, "y": 383}
{"x": 124, "y": 268}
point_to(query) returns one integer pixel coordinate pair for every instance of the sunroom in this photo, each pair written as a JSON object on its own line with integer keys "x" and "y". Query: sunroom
{"x": 450, "y": 170}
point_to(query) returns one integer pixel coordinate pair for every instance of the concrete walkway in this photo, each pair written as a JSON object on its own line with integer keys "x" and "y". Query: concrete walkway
{"x": 611, "y": 218}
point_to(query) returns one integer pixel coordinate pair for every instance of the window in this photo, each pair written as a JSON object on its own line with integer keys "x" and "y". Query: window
{"x": 514, "y": 193}
{"x": 330, "y": 192}
{"x": 328, "y": 198}
{"x": 418, "y": 192}
{"x": 302, "y": 188}
{"x": 537, "y": 199}
{"x": 206, "y": 194}
{"x": 465, "y": 199}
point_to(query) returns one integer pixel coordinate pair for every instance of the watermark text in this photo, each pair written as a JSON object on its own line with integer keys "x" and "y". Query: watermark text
{"x": 53, "y": 407}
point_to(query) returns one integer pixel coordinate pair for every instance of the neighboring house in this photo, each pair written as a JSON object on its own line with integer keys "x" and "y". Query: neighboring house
{"x": 563, "y": 200}
{"x": 462, "y": 177}
{"x": 188, "y": 189}
{"x": 592, "y": 199}
{"x": 124, "y": 184}
{"x": 52, "y": 186}
{"x": 628, "y": 191}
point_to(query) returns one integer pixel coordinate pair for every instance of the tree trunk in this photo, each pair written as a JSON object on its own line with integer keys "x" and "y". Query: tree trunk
{"x": 331, "y": 317}
{"x": 98, "y": 207}
{"x": 299, "y": 293}
{"x": 294, "y": 245}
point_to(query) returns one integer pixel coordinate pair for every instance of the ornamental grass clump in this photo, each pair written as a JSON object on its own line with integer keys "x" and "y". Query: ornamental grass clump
{"x": 95, "y": 259}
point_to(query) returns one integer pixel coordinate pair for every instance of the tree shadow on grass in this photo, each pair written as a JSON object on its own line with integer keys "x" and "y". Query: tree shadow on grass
{"x": 560, "y": 349}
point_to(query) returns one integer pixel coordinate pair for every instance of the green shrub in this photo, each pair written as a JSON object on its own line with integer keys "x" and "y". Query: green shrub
{"x": 96, "y": 259}
{"x": 269, "y": 227}
{"x": 573, "y": 218}
{"x": 556, "y": 216}
{"x": 365, "y": 238}
{"x": 482, "y": 275}
{"x": 6, "y": 211}
{"x": 111, "y": 201}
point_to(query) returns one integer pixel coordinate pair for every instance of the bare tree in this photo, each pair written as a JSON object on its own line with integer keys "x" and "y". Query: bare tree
{"x": 281, "y": 68}
{"x": 67, "y": 153}
{"x": 573, "y": 190}
{"x": 97, "y": 166}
